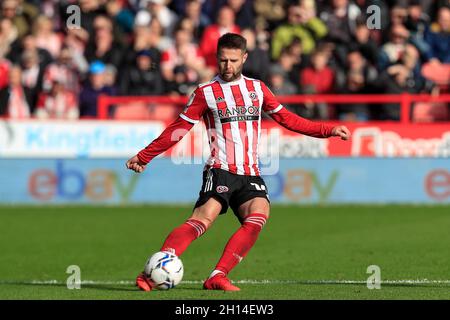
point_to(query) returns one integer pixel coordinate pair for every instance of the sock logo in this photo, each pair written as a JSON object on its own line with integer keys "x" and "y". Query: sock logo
{"x": 238, "y": 257}
{"x": 169, "y": 250}
{"x": 222, "y": 189}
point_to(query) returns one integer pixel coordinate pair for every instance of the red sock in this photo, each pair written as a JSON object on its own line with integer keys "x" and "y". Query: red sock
{"x": 180, "y": 238}
{"x": 241, "y": 242}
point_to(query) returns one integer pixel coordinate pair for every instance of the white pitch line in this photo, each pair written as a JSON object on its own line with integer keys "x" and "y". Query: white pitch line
{"x": 247, "y": 281}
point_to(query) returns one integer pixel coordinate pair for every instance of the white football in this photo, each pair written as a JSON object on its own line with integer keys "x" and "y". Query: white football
{"x": 165, "y": 269}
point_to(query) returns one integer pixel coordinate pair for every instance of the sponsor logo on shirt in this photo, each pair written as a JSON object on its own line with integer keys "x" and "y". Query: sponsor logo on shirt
{"x": 239, "y": 113}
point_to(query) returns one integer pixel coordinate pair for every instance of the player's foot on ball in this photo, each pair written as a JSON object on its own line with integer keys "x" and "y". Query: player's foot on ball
{"x": 219, "y": 282}
{"x": 143, "y": 282}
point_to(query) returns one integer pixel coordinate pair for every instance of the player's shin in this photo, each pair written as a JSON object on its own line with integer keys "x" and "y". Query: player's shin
{"x": 181, "y": 237}
{"x": 240, "y": 243}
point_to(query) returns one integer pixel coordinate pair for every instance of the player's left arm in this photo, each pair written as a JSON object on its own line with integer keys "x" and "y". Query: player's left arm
{"x": 294, "y": 122}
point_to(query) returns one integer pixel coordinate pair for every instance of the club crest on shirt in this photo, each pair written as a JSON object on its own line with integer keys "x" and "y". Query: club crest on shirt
{"x": 252, "y": 95}
{"x": 220, "y": 99}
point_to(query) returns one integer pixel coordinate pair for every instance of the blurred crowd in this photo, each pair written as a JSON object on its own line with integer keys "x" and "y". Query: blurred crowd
{"x": 51, "y": 69}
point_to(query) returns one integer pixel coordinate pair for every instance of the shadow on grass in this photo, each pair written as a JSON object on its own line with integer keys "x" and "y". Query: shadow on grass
{"x": 107, "y": 287}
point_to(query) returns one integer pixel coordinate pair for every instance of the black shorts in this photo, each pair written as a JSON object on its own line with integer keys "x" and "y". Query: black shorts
{"x": 231, "y": 190}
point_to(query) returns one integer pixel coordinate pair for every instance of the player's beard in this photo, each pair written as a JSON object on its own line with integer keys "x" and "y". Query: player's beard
{"x": 236, "y": 75}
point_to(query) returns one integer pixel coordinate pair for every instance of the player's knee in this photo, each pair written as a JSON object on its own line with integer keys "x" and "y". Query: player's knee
{"x": 206, "y": 220}
{"x": 207, "y": 217}
{"x": 207, "y": 212}
{"x": 260, "y": 206}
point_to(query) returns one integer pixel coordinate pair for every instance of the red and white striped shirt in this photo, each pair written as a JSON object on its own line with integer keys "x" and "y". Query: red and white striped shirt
{"x": 232, "y": 114}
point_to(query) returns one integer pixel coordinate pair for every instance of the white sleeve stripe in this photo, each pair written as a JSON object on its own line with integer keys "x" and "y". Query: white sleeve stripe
{"x": 275, "y": 110}
{"x": 183, "y": 116}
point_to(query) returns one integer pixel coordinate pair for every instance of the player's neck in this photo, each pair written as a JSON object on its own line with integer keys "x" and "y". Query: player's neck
{"x": 238, "y": 78}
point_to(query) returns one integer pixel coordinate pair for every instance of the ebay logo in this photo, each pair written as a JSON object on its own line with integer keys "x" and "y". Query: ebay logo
{"x": 67, "y": 183}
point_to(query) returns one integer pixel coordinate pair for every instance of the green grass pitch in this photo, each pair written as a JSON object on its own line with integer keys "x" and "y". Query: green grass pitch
{"x": 304, "y": 252}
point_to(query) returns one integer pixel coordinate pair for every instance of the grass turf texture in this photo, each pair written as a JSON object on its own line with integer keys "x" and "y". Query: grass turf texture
{"x": 299, "y": 248}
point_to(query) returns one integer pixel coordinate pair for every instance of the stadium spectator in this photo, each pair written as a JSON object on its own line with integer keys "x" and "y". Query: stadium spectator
{"x": 66, "y": 71}
{"x": 359, "y": 77}
{"x": 287, "y": 63}
{"x": 143, "y": 77}
{"x": 93, "y": 89}
{"x": 158, "y": 10}
{"x": 341, "y": 20}
{"x": 142, "y": 41}
{"x": 53, "y": 10}
{"x": 438, "y": 36}
{"x": 103, "y": 46}
{"x": 8, "y": 34}
{"x": 183, "y": 53}
{"x": 57, "y": 103}
{"x": 32, "y": 76}
{"x": 5, "y": 65}
{"x": 157, "y": 38}
{"x": 243, "y": 12}
{"x": 365, "y": 43}
{"x": 186, "y": 25}
{"x": 303, "y": 24}
{"x": 416, "y": 23}
{"x": 121, "y": 15}
{"x": 402, "y": 77}
{"x": 299, "y": 60}
{"x": 258, "y": 59}
{"x": 206, "y": 75}
{"x": 10, "y": 9}
{"x": 318, "y": 78}
{"x": 111, "y": 76}
{"x": 279, "y": 83}
{"x": 392, "y": 51}
{"x": 28, "y": 43}
{"x": 90, "y": 9}
{"x": 181, "y": 85}
{"x": 193, "y": 12}
{"x": 269, "y": 13}
{"x": 287, "y": 31}
{"x": 13, "y": 101}
{"x": 76, "y": 40}
{"x": 224, "y": 24}
{"x": 398, "y": 14}
{"x": 45, "y": 37}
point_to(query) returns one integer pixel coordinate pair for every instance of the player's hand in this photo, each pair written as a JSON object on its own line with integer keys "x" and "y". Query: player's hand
{"x": 341, "y": 131}
{"x": 135, "y": 165}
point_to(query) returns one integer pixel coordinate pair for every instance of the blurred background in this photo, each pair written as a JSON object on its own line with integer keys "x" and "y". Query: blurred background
{"x": 75, "y": 103}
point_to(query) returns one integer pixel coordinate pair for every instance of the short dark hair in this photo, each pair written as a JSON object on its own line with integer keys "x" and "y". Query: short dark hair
{"x": 232, "y": 41}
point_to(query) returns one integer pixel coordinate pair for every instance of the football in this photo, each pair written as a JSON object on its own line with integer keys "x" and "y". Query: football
{"x": 165, "y": 269}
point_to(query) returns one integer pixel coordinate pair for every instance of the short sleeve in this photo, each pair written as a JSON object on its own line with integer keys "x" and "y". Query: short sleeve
{"x": 270, "y": 104}
{"x": 195, "y": 107}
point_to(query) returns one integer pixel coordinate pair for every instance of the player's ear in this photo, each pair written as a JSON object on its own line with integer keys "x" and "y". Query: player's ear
{"x": 244, "y": 57}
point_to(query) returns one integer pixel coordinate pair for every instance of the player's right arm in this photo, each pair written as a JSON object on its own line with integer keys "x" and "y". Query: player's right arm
{"x": 191, "y": 115}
